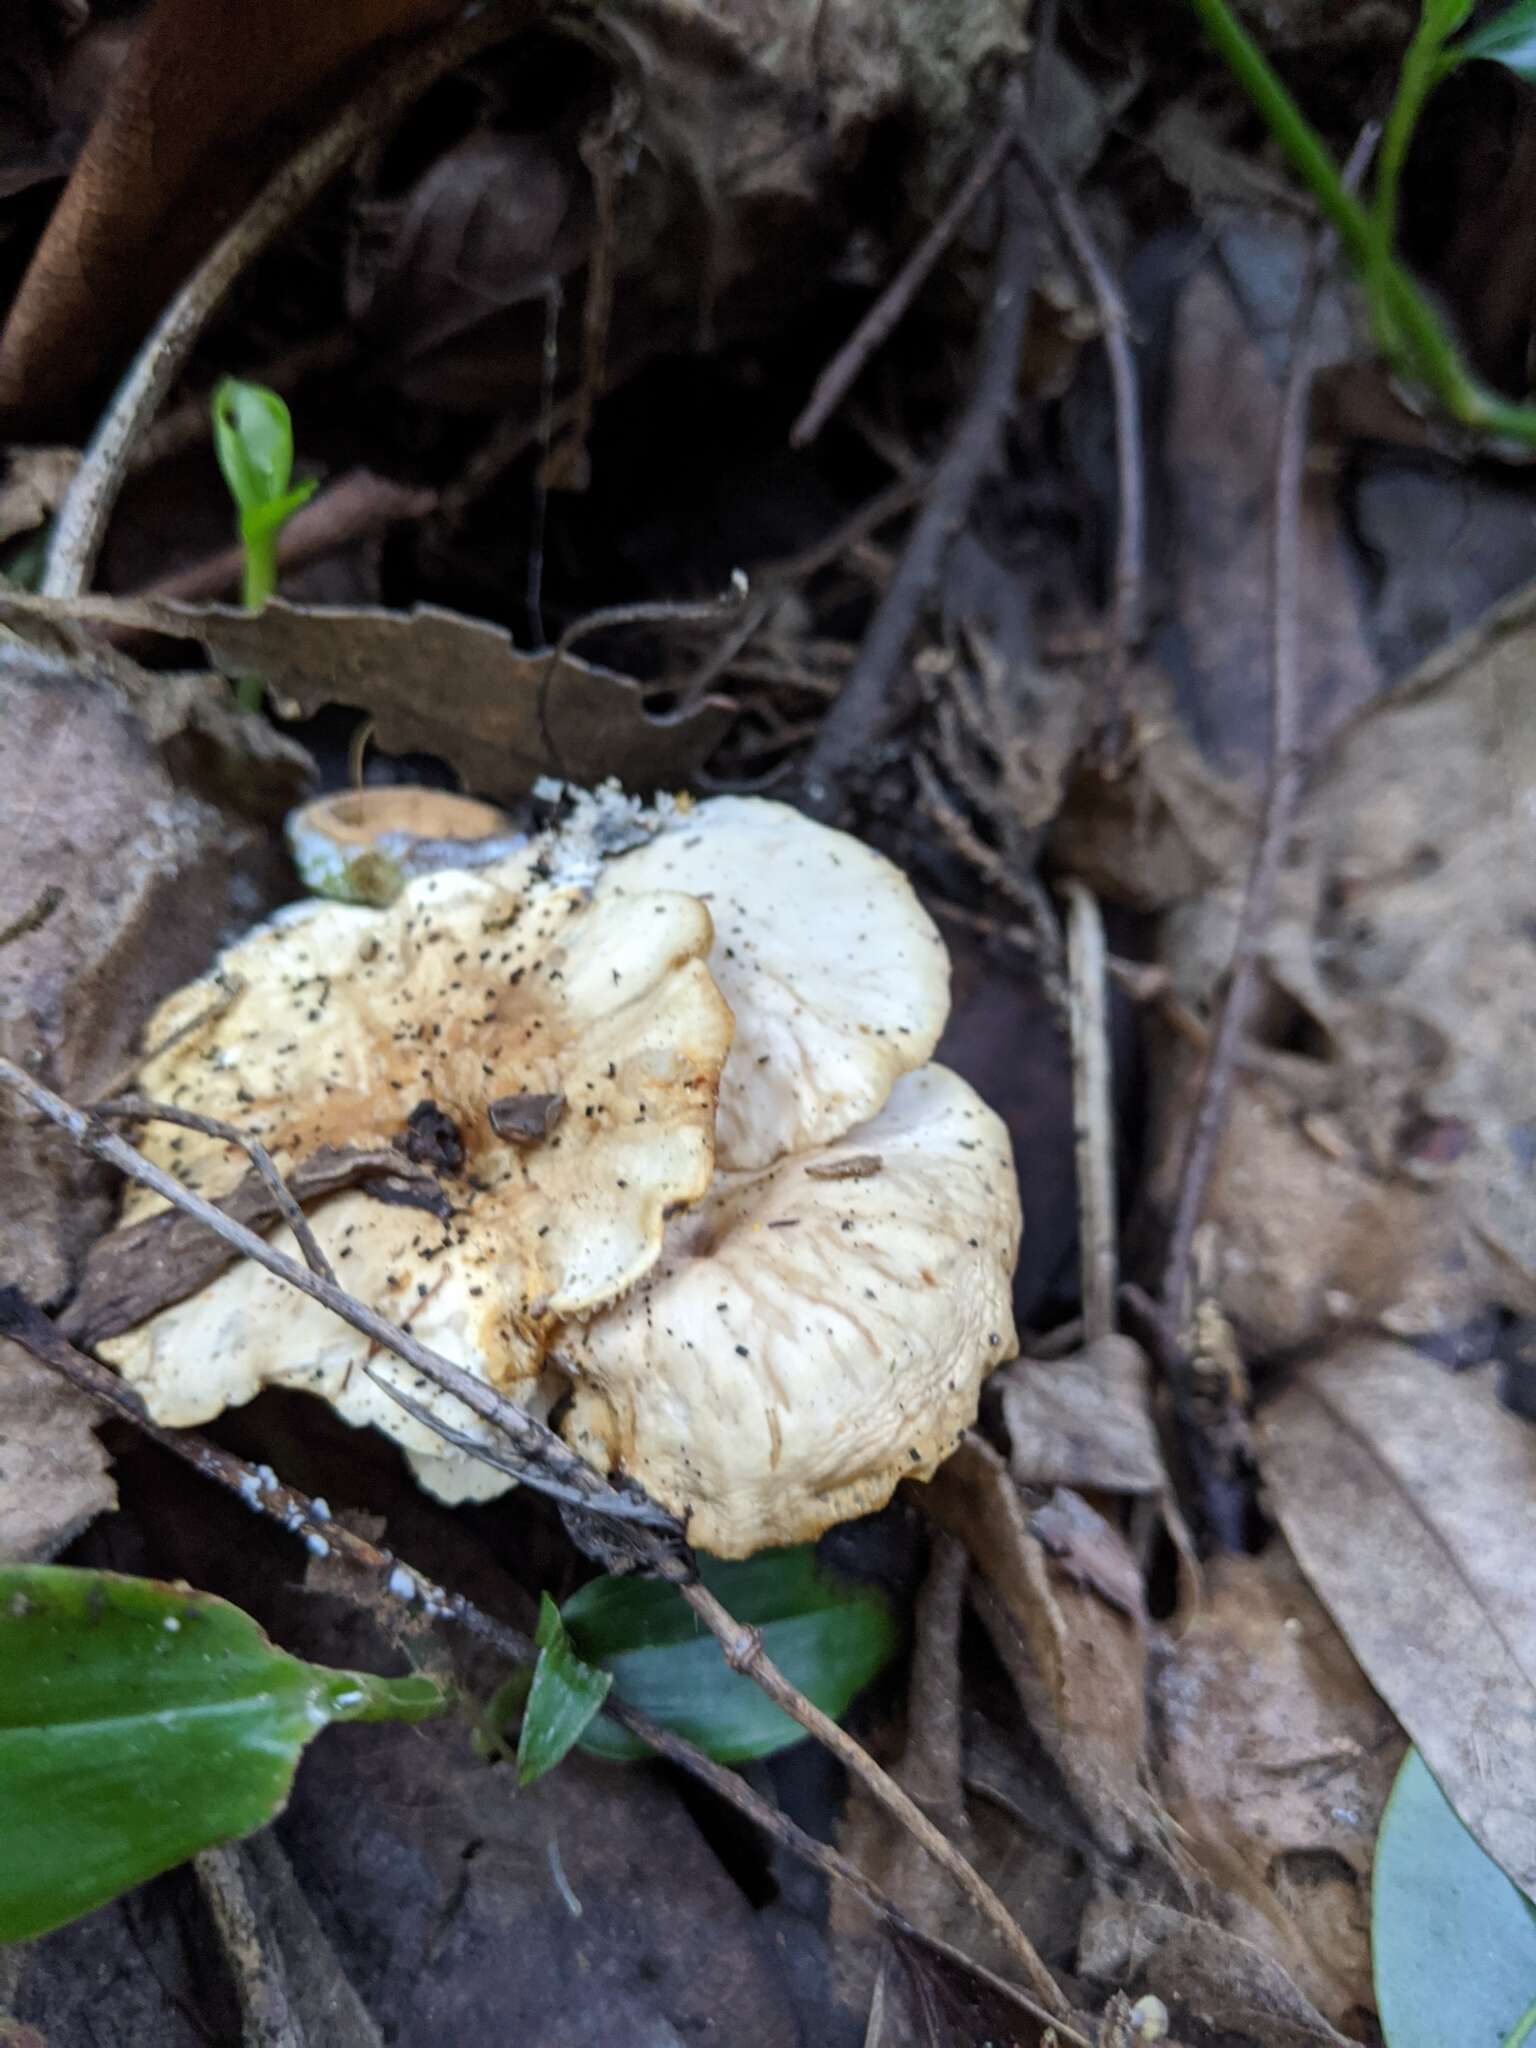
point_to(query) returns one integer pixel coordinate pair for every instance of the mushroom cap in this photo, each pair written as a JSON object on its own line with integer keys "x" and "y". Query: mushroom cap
{"x": 814, "y": 1332}
{"x": 837, "y": 976}
{"x": 334, "y": 1026}
{"x": 363, "y": 845}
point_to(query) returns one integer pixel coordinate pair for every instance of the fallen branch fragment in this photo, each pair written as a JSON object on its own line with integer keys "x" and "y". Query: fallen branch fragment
{"x": 880, "y": 322}
{"x": 1128, "y": 618}
{"x": 864, "y": 712}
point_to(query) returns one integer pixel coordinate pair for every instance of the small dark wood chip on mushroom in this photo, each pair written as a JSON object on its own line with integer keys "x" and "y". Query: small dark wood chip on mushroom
{"x": 432, "y": 1139}
{"x": 863, "y": 1166}
{"x": 526, "y": 1119}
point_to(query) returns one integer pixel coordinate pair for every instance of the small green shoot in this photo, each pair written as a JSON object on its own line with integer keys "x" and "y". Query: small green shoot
{"x": 253, "y": 439}
{"x": 140, "y": 1723}
{"x": 1411, "y": 332}
{"x": 565, "y": 1694}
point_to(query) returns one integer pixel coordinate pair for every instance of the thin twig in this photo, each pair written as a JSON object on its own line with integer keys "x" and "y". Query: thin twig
{"x": 863, "y": 714}
{"x": 1287, "y": 764}
{"x": 547, "y": 1457}
{"x": 743, "y": 1648}
{"x": 1093, "y": 1125}
{"x": 1128, "y": 615}
{"x": 139, "y": 1110}
{"x": 388, "y": 1576}
{"x": 82, "y": 520}
{"x": 885, "y": 314}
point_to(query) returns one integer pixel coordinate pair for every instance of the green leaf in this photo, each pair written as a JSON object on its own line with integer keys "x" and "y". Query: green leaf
{"x": 140, "y": 1723}
{"x": 565, "y": 1694}
{"x": 828, "y": 1638}
{"x": 1453, "y": 1942}
{"x": 1442, "y": 18}
{"x": 253, "y": 439}
{"x": 1509, "y": 39}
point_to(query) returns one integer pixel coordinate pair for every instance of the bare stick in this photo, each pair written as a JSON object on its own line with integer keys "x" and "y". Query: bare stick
{"x": 864, "y": 712}
{"x": 1128, "y": 618}
{"x": 388, "y": 1575}
{"x": 885, "y": 314}
{"x": 87, "y": 506}
{"x": 267, "y": 2017}
{"x": 1093, "y": 1127}
{"x": 743, "y": 1648}
{"x": 546, "y": 1455}
{"x": 1287, "y": 763}
{"x": 136, "y": 1109}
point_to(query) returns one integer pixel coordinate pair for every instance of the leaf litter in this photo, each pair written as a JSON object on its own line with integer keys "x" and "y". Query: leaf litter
{"x": 1173, "y": 1773}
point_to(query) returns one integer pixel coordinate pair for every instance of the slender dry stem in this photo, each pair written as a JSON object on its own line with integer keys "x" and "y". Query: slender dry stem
{"x": 1093, "y": 1125}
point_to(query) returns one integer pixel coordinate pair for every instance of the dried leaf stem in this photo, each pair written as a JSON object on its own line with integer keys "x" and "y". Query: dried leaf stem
{"x": 82, "y": 520}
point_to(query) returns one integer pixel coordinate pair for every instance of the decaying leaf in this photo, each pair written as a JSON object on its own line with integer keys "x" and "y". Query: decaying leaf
{"x": 1197, "y": 1967}
{"x": 114, "y": 885}
{"x": 1083, "y": 1421}
{"x": 1377, "y": 1171}
{"x": 1405, "y": 1493}
{"x": 35, "y": 482}
{"x": 433, "y": 682}
{"x": 1078, "y": 1663}
{"x": 1275, "y": 1759}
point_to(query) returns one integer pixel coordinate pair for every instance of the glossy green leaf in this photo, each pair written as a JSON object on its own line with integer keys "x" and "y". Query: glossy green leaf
{"x": 140, "y": 1723}
{"x": 1453, "y": 1942}
{"x": 253, "y": 439}
{"x": 827, "y": 1637}
{"x": 565, "y": 1694}
{"x": 1509, "y": 39}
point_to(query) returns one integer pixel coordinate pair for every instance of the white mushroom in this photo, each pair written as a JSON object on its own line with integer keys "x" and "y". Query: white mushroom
{"x": 814, "y": 1332}
{"x": 473, "y": 994}
{"x": 553, "y": 1037}
{"x": 837, "y": 976}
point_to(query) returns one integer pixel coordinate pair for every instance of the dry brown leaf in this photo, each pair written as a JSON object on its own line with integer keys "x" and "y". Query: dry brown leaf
{"x": 434, "y": 682}
{"x": 1405, "y": 1493}
{"x": 114, "y": 886}
{"x": 1077, "y": 1663}
{"x": 1083, "y": 1421}
{"x": 35, "y": 482}
{"x": 1378, "y": 1170}
{"x": 1275, "y": 1761}
{"x": 190, "y": 127}
{"x": 1201, "y": 1972}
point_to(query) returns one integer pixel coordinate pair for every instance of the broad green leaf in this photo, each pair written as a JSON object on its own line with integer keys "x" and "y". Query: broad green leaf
{"x": 1441, "y": 18}
{"x": 1453, "y": 1942}
{"x": 1509, "y": 39}
{"x": 253, "y": 439}
{"x": 565, "y": 1694}
{"x": 141, "y": 1722}
{"x": 828, "y": 1638}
